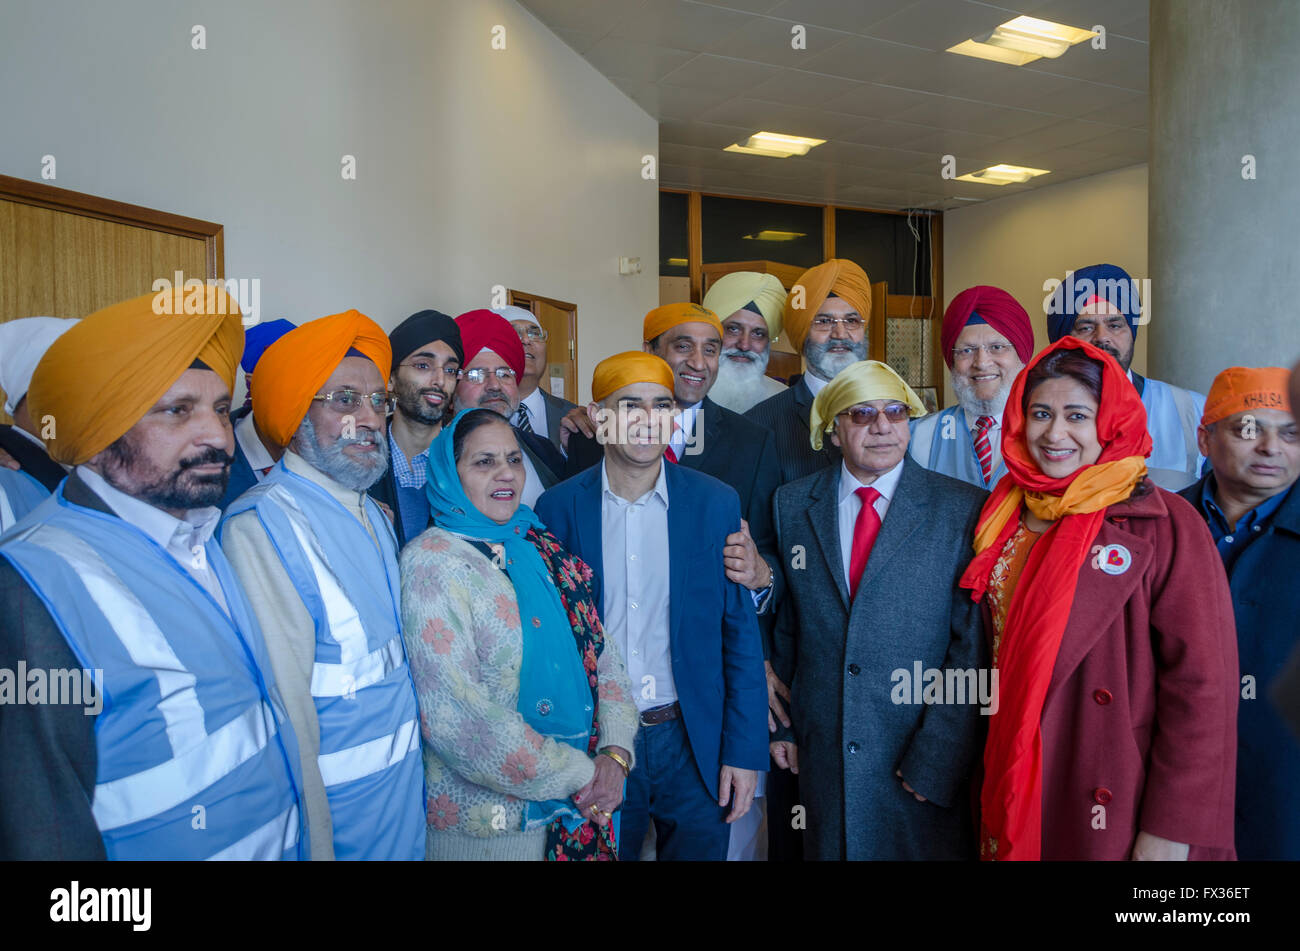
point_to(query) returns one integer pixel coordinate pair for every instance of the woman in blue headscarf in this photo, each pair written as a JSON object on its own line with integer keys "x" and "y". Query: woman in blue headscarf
{"x": 525, "y": 708}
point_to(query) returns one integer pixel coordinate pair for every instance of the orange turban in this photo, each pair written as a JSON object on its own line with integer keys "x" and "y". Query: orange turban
{"x": 839, "y": 276}
{"x": 624, "y": 369}
{"x": 1246, "y": 389}
{"x": 295, "y": 367}
{"x": 665, "y": 318}
{"x": 99, "y": 378}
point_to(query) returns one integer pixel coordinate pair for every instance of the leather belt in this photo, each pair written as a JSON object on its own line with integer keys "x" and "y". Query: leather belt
{"x": 661, "y": 714}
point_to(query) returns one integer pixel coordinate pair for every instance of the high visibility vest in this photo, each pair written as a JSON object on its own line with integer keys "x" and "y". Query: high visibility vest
{"x": 1173, "y": 414}
{"x": 370, "y": 759}
{"x": 195, "y": 757}
{"x": 19, "y": 494}
{"x": 952, "y": 456}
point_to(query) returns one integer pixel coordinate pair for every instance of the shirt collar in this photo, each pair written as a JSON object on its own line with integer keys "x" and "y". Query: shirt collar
{"x": 1260, "y": 513}
{"x": 813, "y": 381}
{"x": 246, "y": 435}
{"x": 886, "y": 484}
{"x": 689, "y": 415}
{"x": 296, "y": 464}
{"x": 660, "y": 488}
{"x": 536, "y": 405}
{"x": 194, "y": 529}
{"x": 972, "y": 419}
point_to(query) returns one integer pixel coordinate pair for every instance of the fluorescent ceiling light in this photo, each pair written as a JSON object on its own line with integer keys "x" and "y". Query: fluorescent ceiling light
{"x": 776, "y": 236}
{"x": 677, "y": 262}
{"x": 1022, "y": 41}
{"x": 1003, "y": 175}
{"x": 776, "y": 145}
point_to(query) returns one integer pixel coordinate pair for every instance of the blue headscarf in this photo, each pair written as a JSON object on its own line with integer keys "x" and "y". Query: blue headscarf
{"x": 554, "y": 693}
{"x": 1106, "y": 281}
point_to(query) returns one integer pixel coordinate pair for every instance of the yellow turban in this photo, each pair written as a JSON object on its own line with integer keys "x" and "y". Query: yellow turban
{"x": 839, "y": 276}
{"x": 665, "y": 318}
{"x": 859, "y": 383}
{"x": 732, "y": 292}
{"x": 624, "y": 369}
{"x": 297, "y": 365}
{"x": 98, "y": 379}
{"x": 1246, "y": 389}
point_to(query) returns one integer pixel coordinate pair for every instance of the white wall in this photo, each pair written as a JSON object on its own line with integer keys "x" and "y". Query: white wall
{"x": 475, "y": 167}
{"x": 1019, "y": 242}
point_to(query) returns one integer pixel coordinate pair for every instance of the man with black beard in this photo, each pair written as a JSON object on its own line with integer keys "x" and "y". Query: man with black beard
{"x": 749, "y": 304}
{"x": 318, "y": 559}
{"x": 427, "y": 355}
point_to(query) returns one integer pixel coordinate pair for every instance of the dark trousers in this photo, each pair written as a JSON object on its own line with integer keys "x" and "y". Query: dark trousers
{"x": 666, "y": 786}
{"x": 784, "y": 842}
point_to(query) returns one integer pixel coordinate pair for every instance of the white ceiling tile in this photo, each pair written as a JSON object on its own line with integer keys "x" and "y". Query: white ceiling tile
{"x": 967, "y": 115}
{"x": 1131, "y": 114}
{"x": 577, "y": 39}
{"x": 586, "y": 16}
{"x": 771, "y": 41}
{"x": 1122, "y": 63}
{"x": 666, "y": 102}
{"x": 878, "y": 101}
{"x": 748, "y": 6}
{"x": 937, "y": 24}
{"x": 852, "y": 16}
{"x": 796, "y": 87}
{"x": 640, "y": 61}
{"x": 778, "y": 117}
{"x": 720, "y": 74}
{"x": 682, "y": 25}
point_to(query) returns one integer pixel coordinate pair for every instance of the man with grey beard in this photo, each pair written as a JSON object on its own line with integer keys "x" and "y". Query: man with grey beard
{"x": 986, "y": 338}
{"x": 318, "y": 560}
{"x": 749, "y": 304}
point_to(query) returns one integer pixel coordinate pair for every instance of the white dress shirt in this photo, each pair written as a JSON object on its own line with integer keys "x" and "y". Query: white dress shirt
{"x": 634, "y": 539}
{"x": 686, "y": 422}
{"x": 533, "y": 487}
{"x": 850, "y": 505}
{"x": 256, "y": 454}
{"x": 183, "y": 539}
{"x": 995, "y": 435}
{"x": 536, "y": 412}
{"x": 814, "y": 382}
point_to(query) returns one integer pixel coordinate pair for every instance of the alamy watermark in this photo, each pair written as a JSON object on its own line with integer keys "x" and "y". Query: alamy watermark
{"x": 60, "y": 686}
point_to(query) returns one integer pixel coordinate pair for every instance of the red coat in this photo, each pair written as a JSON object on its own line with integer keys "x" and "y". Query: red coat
{"x": 1141, "y": 713}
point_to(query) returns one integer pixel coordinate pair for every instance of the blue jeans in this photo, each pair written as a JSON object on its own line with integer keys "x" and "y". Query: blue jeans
{"x": 665, "y": 785}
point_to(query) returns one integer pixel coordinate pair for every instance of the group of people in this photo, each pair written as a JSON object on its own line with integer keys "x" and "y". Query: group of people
{"x": 404, "y": 603}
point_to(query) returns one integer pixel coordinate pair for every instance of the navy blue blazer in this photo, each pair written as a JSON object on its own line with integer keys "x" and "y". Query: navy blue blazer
{"x": 242, "y": 477}
{"x": 714, "y": 643}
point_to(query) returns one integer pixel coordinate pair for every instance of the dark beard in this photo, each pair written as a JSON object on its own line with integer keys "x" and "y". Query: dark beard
{"x": 410, "y": 403}
{"x": 178, "y": 489}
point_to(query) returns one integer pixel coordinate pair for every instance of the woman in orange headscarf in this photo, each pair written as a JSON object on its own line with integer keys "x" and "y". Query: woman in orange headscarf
{"x": 1113, "y": 634}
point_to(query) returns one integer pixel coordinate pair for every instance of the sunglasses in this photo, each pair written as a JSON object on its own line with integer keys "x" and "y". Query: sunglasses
{"x": 866, "y": 415}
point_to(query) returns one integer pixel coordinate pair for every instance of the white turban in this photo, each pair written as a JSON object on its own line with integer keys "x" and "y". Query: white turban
{"x": 22, "y": 344}
{"x": 513, "y": 313}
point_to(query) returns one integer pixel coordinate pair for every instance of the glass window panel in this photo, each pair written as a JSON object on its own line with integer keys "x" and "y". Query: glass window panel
{"x": 908, "y": 349}
{"x": 883, "y": 246}
{"x": 673, "y": 236}
{"x": 742, "y": 229}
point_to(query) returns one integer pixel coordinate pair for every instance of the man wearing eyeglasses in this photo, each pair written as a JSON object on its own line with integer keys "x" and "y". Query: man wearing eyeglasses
{"x": 538, "y": 411}
{"x": 318, "y": 560}
{"x": 427, "y": 355}
{"x": 986, "y": 338}
{"x": 883, "y": 772}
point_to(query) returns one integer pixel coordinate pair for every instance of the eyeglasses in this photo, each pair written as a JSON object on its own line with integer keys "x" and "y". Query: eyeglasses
{"x": 866, "y": 415}
{"x": 425, "y": 368}
{"x": 480, "y": 374}
{"x": 532, "y": 332}
{"x": 349, "y": 401}
{"x": 850, "y": 323}
{"x": 992, "y": 349}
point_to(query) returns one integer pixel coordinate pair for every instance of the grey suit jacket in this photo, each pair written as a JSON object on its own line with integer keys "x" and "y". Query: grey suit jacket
{"x": 843, "y": 663}
{"x": 556, "y": 408}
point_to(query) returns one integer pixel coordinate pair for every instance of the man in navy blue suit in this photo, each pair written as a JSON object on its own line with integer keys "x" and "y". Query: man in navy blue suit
{"x": 654, "y": 533}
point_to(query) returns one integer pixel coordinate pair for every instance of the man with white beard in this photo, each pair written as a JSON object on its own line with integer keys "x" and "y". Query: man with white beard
{"x": 986, "y": 339}
{"x": 749, "y": 305}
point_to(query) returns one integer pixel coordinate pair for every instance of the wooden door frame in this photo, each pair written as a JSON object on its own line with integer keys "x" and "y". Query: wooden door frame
{"x": 40, "y": 195}
{"x": 513, "y": 298}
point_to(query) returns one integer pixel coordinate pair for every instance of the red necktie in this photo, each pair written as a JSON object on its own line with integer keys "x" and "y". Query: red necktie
{"x": 669, "y": 454}
{"x": 865, "y": 530}
{"x": 984, "y": 448}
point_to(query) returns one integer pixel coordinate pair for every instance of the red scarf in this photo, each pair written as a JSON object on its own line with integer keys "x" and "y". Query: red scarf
{"x": 1012, "y": 797}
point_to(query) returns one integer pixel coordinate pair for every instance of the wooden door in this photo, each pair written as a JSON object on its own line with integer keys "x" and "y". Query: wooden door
{"x": 560, "y": 320}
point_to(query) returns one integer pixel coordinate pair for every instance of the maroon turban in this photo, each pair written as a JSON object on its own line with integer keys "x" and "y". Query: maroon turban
{"x": 486, "y": 330}
{"x": 992, "y": 306}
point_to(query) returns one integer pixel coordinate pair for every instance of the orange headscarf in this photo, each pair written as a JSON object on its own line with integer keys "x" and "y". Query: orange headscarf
{"x": 293, "y": 369}
{"x": 98, "y": 379}
{"x": 1244, "y": 390}
{"x": 1011, "y": 800}
{"x": 839, "y": 276}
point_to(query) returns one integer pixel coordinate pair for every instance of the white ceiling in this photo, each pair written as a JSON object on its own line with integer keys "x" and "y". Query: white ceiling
{"x": 875, "y": 82}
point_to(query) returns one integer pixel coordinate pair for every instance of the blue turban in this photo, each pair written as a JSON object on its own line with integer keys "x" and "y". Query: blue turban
{"x": 260, "y": 336}
{"x": 1106, "y": 281}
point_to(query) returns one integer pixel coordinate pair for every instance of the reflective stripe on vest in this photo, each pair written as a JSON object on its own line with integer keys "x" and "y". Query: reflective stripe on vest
{"x": 265, "y": 844}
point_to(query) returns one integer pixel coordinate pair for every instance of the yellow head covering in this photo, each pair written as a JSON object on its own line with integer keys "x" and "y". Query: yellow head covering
{"x": 99, "y": 378}
{"x": 839, "y": 276}
{"x": 665, "y": 318}
{"x": 731, "y": 292}
{"x": 624, "y": 369}
{"x": 858, "y": 383}
{"x": 297, "y": 365}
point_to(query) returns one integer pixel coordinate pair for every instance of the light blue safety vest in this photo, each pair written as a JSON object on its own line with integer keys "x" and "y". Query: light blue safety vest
{"x": 1173, "y": 414}
{"x": 19, "y": 494}
{"x": 196, "y": 758}
{"x": 370, "y": 759}
{"x": 954, "y": 456}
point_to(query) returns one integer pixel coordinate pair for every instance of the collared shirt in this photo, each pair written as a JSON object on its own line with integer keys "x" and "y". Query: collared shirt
{"x": 533, "y": 487}
{"x": 685, "y": 427}
{"x": 634, "y": 536}
{"x": 183, "y": 539}
{"x": 258, "y": 458}
{"x": 409, "y": 474}
{"x": 995, "y": 435}
{"x": 814, "y": 382}
{"x": 850, "y": 505}
{"x": 536, "y": 412}
{"x": 1232, "y": 540}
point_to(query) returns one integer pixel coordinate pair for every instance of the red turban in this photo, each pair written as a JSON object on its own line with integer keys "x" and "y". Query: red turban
{"x": 1000, "y": 311}
{"x": 487, "y": 330}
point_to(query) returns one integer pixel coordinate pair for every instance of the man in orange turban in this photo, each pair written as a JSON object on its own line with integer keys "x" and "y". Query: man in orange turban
{"x": 318, "y": 558}
{"x": 119, "y": 572}
{"x": 826, "y": 319}
{"x": 1249, "y": 500}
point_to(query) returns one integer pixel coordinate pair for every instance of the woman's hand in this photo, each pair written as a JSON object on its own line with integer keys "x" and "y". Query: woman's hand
{"x": 599, "y": 798}
{"x": 1152, "y": 848}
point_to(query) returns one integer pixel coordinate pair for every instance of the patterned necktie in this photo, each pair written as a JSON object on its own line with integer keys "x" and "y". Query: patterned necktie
{"x": 670, "y": 453}
{"x": 865, "y": 530}
{"x": 522, "y": 417}
{"x": 984, "y": 448}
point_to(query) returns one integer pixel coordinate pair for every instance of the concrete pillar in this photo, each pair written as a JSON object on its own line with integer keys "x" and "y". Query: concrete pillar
{"x": 1224, "y": 247}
